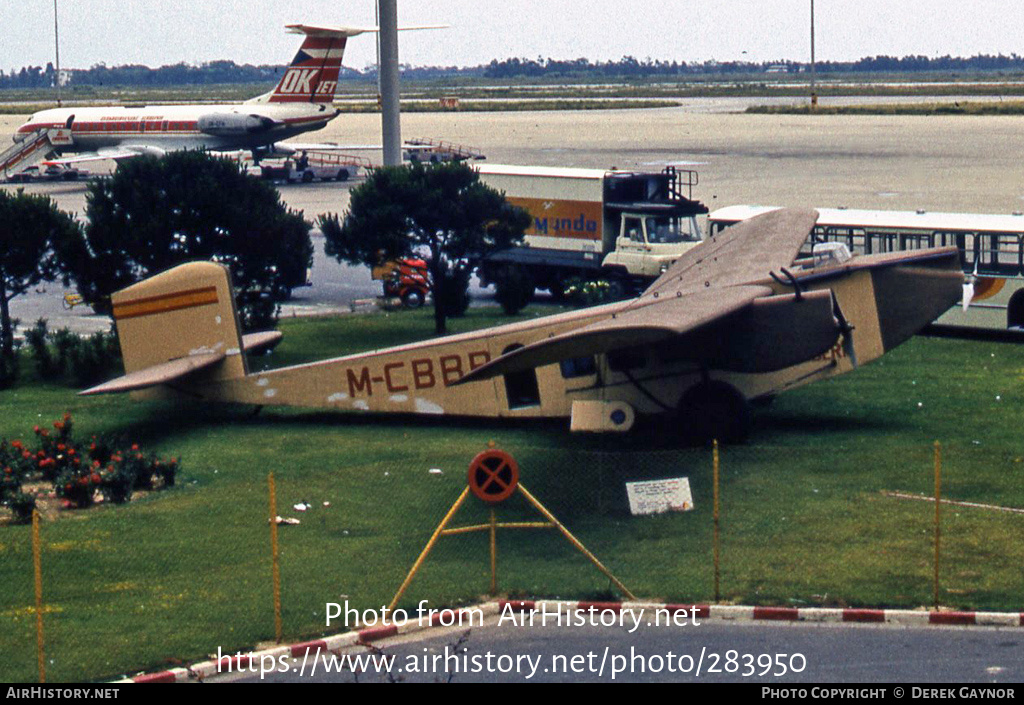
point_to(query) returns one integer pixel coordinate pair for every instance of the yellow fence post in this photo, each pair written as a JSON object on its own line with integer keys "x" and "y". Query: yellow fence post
{"x": 275, "y": 560}
{"x": 37, "y": 567}
{"x": 938, "y": 504}
{"x": 715, "y": 536}
{"x": 494, "y": 553}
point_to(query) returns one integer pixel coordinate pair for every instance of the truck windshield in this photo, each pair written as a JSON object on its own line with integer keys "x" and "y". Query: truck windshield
{"x": 661, "y": 230}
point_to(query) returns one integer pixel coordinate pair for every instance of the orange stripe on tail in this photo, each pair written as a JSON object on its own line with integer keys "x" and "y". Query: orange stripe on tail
{"x": 167, "y": 302}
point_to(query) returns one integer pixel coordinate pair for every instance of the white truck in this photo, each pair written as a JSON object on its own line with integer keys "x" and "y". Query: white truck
{"x": 625, "y": 227}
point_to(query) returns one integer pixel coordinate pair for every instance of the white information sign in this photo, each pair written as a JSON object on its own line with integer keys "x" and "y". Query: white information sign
{"x": 658, "y": 496}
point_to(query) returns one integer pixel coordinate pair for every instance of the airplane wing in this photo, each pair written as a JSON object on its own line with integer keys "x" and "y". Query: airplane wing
{"x": 631, "y": 327}
{"x": 707, "y": 309}
{"x": 746, "y": 252}
{"x": 114, "y": 154}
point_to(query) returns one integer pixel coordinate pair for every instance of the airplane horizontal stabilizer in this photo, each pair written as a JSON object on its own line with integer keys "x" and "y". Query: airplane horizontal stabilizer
{"x": 157, "y": 374}
{"x": 262, "y": 342}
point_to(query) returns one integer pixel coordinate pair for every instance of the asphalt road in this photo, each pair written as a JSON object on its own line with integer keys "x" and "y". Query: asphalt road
{"x": 335, "y": 286}
{"x": 723, "y": 651}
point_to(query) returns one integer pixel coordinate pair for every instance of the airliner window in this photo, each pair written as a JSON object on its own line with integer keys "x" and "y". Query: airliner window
{"x": 521, "y": 388}
{"x": 578, "y": 367}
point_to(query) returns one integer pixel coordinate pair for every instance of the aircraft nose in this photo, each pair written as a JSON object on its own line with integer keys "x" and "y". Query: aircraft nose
{"x": 910, "y": 296}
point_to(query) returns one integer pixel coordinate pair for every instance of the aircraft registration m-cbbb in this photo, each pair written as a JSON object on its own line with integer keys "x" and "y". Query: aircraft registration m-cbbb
{"x": 740, "y": 317}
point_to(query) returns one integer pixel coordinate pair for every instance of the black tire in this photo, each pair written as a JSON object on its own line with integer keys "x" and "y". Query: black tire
{"x": 714, "y": 410}
{"x": 307, "y": 177}
{"x": 412, "y": 298}
{"x": 1015, "y": 311}
{"x": 617, "y": 289}
{"x": 342, "y": 174}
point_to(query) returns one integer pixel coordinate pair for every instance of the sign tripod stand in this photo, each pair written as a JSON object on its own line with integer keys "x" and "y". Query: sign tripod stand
{"x": 493, "y": 478}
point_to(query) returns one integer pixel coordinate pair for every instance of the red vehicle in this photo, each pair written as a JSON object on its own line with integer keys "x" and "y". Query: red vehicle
{"x": 405, "y": 279}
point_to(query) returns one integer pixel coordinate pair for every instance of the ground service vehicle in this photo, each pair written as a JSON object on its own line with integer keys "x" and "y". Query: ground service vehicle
{"x": 405, "y": 279}
{"x": 624, "y": 226}
{"x": 307, "y": 166}
{"x": 991, "y": 251}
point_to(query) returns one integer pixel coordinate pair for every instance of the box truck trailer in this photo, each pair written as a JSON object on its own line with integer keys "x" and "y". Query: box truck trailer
{"x": 626, "y": 227}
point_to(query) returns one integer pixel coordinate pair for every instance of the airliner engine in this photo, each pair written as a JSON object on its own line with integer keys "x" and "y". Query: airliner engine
{"x": 233, "y": 124}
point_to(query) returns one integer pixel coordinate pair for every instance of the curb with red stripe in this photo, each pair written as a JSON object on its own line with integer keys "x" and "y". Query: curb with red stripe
{"x": 239, "y": 662}
{"x": 205, "y": 669}
{"x": 782, "y": 614}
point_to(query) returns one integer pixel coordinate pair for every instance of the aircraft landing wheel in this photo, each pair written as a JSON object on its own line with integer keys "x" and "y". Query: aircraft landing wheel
{"x": 714, "y": 410}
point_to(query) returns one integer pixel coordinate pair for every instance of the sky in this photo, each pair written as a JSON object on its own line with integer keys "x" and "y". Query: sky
{"x": 157, "y": 32}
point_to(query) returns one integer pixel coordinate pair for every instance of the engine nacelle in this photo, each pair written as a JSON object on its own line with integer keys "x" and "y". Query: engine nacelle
{"x": 233, "y": 124}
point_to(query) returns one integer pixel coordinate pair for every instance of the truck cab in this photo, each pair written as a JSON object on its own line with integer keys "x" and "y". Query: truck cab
{"x": 650, "y": 239}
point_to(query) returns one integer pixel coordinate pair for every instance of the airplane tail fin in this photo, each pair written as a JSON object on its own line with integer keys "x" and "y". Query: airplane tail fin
{"x": 312, "y": 76}
{"x": 179, "y": 324}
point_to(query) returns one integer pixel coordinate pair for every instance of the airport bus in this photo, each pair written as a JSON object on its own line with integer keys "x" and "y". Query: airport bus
{"x": 991, "y": 252}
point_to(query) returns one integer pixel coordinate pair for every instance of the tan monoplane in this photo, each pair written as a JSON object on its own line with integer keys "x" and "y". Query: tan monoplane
{"x": 739, "y": 318}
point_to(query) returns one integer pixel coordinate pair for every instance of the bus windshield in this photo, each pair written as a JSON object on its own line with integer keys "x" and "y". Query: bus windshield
{"x": 664, "y": 230}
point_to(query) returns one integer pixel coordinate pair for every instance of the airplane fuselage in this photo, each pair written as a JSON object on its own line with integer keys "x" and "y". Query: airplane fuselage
{"x": 162, "y": 128}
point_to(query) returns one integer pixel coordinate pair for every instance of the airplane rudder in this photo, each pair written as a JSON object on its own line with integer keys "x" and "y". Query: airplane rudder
{"x": 186, "y": 310}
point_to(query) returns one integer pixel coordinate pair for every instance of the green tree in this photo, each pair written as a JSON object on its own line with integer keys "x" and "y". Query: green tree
{"x": 442, "y": 212}
{"x": 30, "y": 226}
{"x": 157, "y": 212}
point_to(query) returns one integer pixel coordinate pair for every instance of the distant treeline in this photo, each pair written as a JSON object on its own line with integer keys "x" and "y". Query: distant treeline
{"x": 630, "y": 66}
{"x": 214, "y": 72}
{"x": 221, "y": 72}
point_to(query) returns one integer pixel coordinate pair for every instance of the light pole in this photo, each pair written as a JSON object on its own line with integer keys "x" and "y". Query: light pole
{"x": 56, "y": 46}
{"x": 814, "y": 94}
{"x": 387, "y": 75}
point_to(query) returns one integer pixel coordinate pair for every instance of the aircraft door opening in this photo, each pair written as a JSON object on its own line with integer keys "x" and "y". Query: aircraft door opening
{"x": 521, "y": 388}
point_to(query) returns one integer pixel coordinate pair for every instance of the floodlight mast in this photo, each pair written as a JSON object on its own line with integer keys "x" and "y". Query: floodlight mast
{"x": 56, "y": 47}
{"x": 814, "y": 93}
{"x": 387, "y": 75}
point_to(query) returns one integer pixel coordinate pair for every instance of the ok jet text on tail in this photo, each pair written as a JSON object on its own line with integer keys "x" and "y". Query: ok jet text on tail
{"x": 738, "y": 318}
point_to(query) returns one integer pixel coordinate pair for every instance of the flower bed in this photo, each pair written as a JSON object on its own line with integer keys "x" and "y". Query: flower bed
{"x": 58, "y": 466}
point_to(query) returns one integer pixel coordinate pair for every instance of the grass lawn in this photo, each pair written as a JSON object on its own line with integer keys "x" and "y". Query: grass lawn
{"x": 176, "y": 574}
